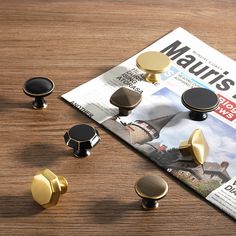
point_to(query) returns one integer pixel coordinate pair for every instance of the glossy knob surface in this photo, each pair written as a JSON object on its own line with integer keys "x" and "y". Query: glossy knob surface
{"x": 46, "y": 188}
{"x": 153, "y": 63}
{"x": 196, "y": 146}
{"x": 82, "y": 138}
{"x": 199, "y": 101}
{"x": 126, "y": 100}
{"x": 151, "y": 188}
{"x": 38, "y": 87}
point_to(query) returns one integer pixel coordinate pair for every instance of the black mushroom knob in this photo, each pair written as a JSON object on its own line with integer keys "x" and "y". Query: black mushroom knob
{"x": 126, "y": 100}
{"x": 38, "y": 87}
{"x": 199, "y": 101}
{"x": 82, "y": 138}
{"x": 151, "y": 188}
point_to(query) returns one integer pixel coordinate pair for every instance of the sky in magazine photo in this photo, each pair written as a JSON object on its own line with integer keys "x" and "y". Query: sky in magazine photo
{"x": 220, "y": 137}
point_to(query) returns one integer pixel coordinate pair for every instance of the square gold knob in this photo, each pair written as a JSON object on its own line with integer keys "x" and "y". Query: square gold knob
{"x": 196, "y": 146}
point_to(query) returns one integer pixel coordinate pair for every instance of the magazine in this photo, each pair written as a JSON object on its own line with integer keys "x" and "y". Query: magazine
{"x": 160, "y": 122}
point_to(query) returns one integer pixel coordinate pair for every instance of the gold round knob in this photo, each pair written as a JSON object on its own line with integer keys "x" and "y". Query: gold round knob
{"x": 151, "y": 188}
{"x": 46, "y": 188}
{"x": 153, "y": 63}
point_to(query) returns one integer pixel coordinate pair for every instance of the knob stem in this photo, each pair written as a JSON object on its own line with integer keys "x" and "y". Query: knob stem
{"x": 184, "y": 148}
{"x": 123, "y": 112}
{"x": 81, "y": 153}
{"x": 149, "y": 204}
{"x": 152, "y": 78}
{"x": 198, "y": 116}
{"x": 63, "y": 184}
{"x": 39, "y": 103}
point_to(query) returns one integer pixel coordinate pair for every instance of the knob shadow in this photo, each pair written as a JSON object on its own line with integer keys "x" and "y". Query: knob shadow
{"x": 42, "y": 154}
{"x": 8, "y": 104}
{"x": 18, "y": 206}
{"x": 108, "y": 211}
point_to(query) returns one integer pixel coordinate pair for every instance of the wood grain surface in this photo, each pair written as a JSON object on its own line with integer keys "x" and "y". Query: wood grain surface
{"x": 72, "y": 42}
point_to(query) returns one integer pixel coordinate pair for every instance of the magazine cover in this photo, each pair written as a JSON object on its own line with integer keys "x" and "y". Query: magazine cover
{"x": 158, "y": 125}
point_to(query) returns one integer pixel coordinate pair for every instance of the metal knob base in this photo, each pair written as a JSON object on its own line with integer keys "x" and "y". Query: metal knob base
{"x": 39, "y": 103}
{"x": 198, "y": 116}
{"x": 152, "y": 78}
{"x": 149, "y": 204}
{"x": 81, "y": 153}
{"x": 124, "y": 112}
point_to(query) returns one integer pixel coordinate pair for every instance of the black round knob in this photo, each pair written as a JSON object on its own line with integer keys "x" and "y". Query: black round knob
{"x": 199, "y": 101}
{"x": 82, "y": 138}
{"x": 151, "y": 188}
{"x": 38, "y": 87}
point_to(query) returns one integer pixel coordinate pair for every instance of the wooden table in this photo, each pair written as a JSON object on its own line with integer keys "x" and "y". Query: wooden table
{"x": 72, "y": 42}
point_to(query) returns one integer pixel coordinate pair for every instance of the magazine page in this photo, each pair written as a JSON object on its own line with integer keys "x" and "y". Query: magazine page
{"x": 158, "y": 125}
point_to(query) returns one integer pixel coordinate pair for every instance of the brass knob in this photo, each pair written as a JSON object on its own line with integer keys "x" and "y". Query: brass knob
{"x": 82, "y": 138}
{"x": 38, "y": 87}
{"x": 126, "y": 100}
{"x": 46, "y": 188}
{"x": 153, "y": 63}
{"x": 151, "y": 188}
{"x": 199, "y": 101}
{"x": 196, "y": 146}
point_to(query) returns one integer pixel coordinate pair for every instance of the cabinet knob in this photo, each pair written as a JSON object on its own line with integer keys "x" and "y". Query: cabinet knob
{"x": 151, "y": 188}
{"x": 199, "y": 101}
{"x": 196, "y": 146}
{"x": 82, "y": 138}
{"x": 153, "y": 64}
{"x": 38, "y": 87}
{"x": 46, "y": 188}
{"x": 126, "y": 100}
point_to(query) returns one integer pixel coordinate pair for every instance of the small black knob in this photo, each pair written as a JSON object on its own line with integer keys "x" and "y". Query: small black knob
{"x": 38, "y": 87}
{"x": 151, "y": 188}
{"x": 126, "y": 100}
{"x": 199, "y": 101}
{"x": 82, "y": 138}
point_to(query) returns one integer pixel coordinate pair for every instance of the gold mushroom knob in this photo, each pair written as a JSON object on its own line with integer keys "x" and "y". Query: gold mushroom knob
{"x": 46, "y": 188}
{"x": 196, "y": 146}
{"x": 153, "y": 63}
{"x": 151, "y": 188}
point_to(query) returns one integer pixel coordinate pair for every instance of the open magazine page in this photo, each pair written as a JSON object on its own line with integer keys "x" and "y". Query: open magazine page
{"x": 160, "y": 122}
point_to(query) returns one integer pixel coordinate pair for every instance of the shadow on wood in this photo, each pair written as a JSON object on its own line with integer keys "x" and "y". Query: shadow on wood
{"x": 43, "y": 154}
{"x": 108, "y": 211}
{"x": 18, "y": 206}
